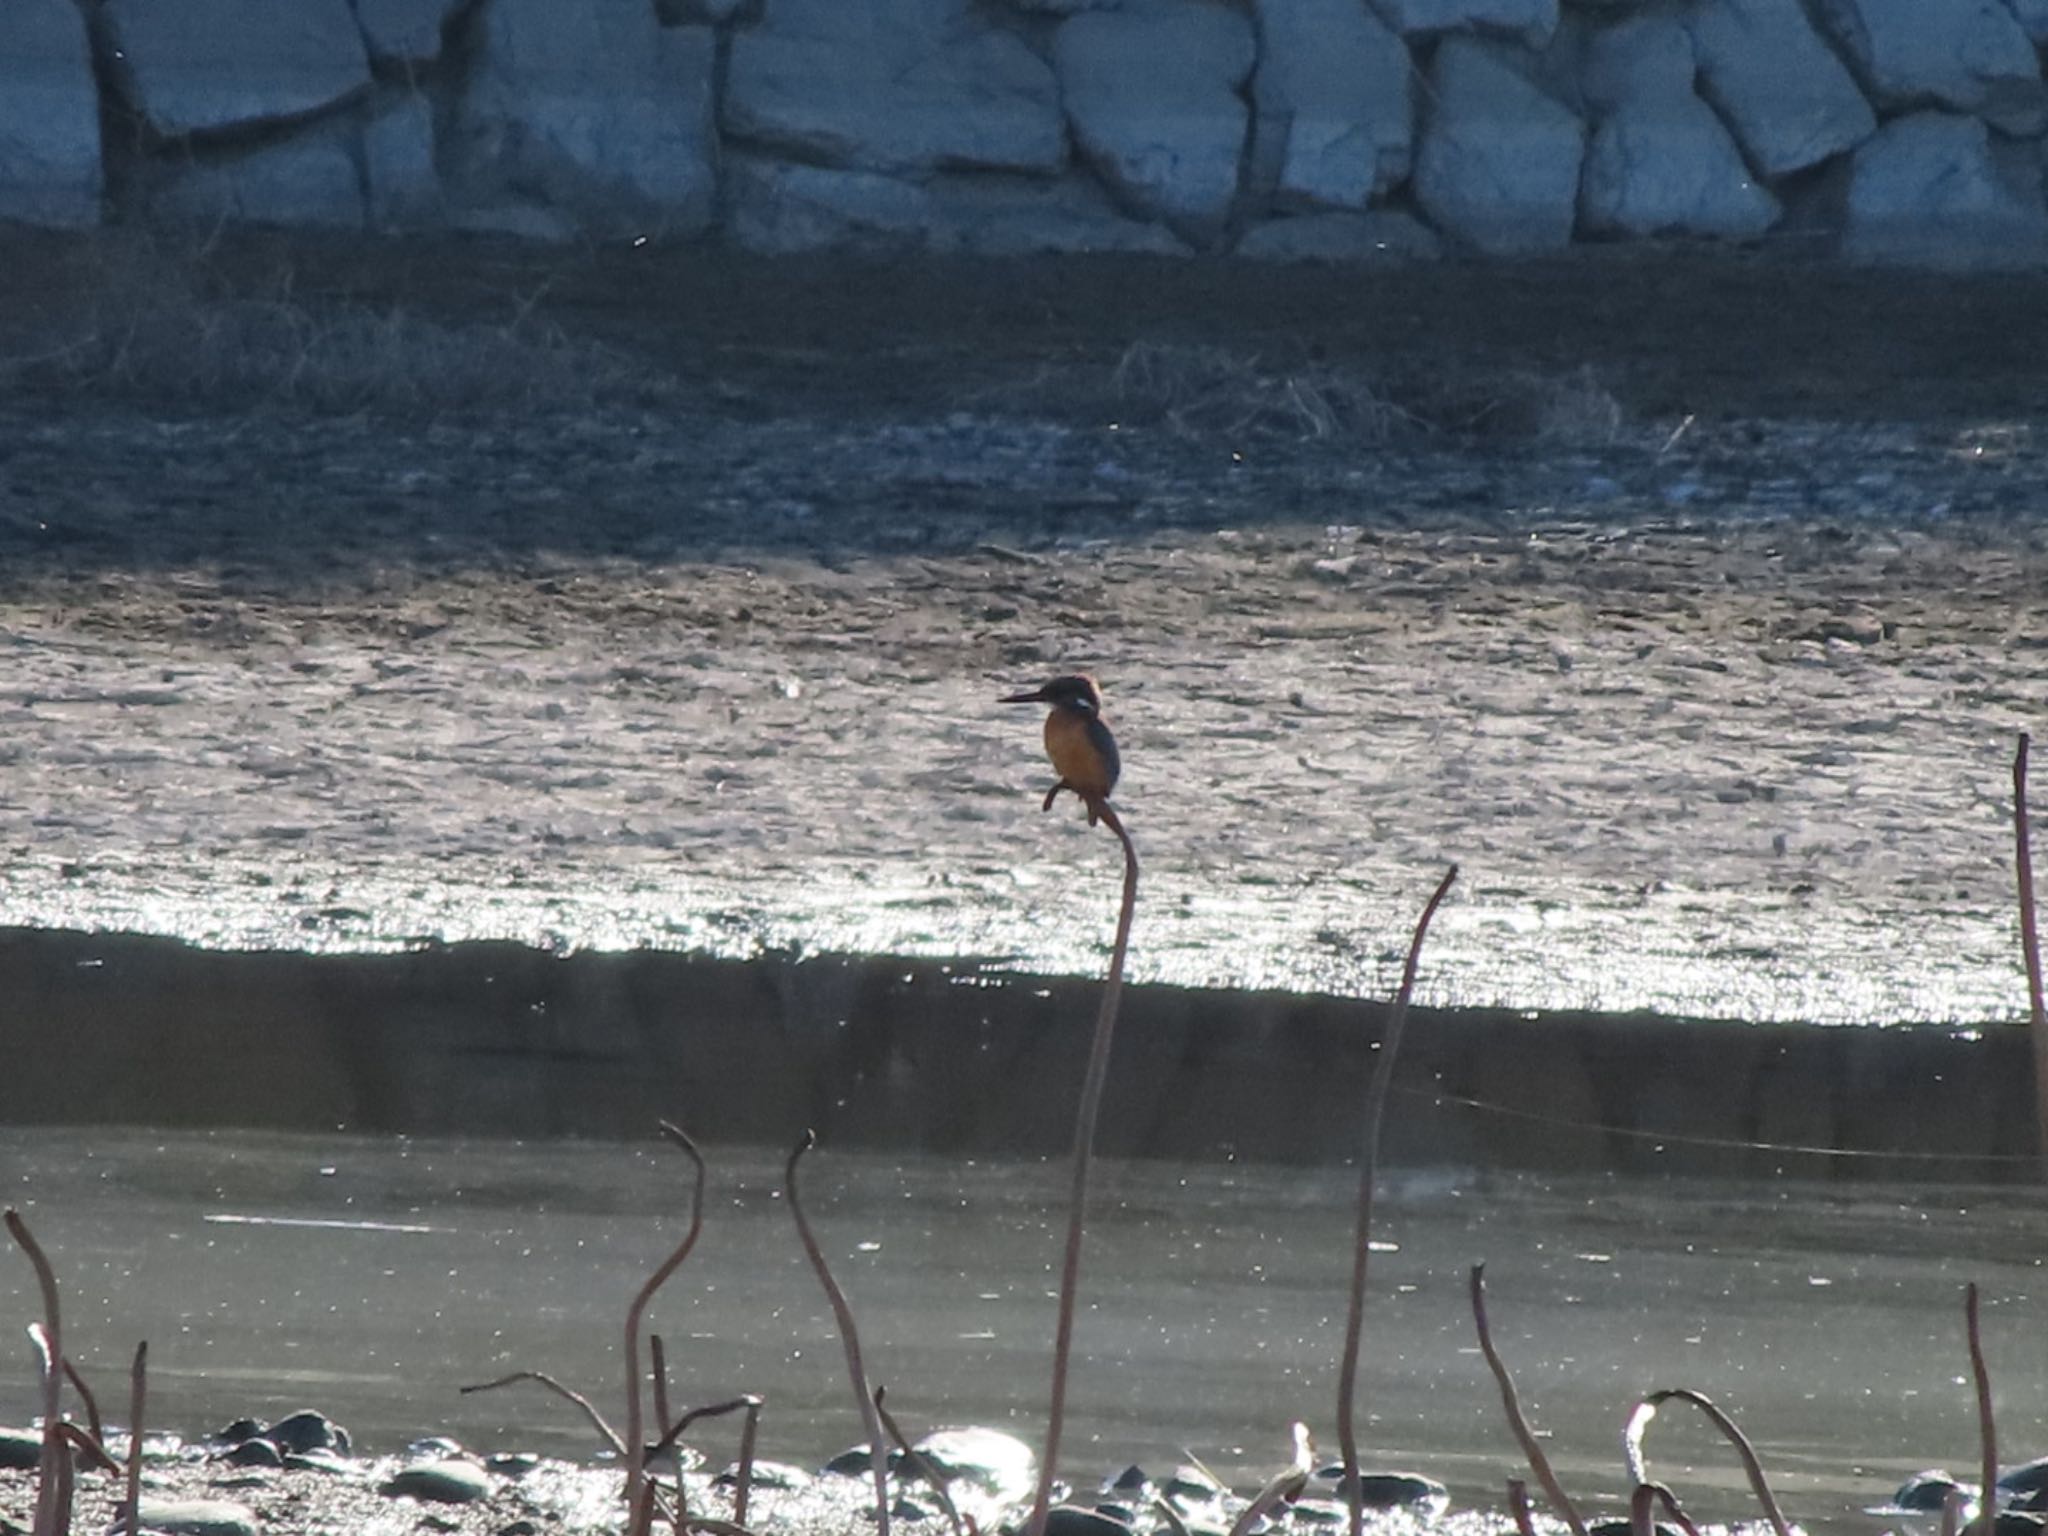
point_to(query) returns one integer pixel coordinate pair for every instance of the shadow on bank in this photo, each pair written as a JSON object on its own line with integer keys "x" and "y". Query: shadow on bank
{"x": 497, "y": 1039}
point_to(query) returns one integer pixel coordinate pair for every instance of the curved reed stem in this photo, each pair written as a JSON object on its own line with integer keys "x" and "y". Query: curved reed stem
{"x": 1524, "y": 1435}
{"x": 636, "y": 1312}
{"x": 1084, "y": 1153}
{"x": 53, "y": 1502}
{"x": 849, "y": 1337}
{"x": 1368, "y": 1175}
{"x": 1751, "y": 1466}
{"x": 1987, "y": 1428}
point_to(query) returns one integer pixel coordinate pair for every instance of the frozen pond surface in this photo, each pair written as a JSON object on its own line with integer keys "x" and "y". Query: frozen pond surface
{"x": 371, "y": 1278}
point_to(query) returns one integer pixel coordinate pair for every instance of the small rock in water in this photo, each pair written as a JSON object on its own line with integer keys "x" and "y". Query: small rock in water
{"x": 511, "y": 1464}
{"x": 1385, "y": 1490}
{"x": 199, "y": 1517}
{"x": 2026, "y": 1485}
{"x": 1132, "y": 1483}
{"x": 854, "y": 1461}
{"x": 1927, "y": 1491}
{"x": 308, "y": 1431}
{"x": 998, "y": 1464}
{"x": 236, "y": 1433}
{"x": 439, "y": 1482}
{"x": 1072, "y": 1520}
{"x": 21, "y": 1450}
{"x": 1618, "y": 1527}
{"x": 1191, "y": 1485}
{"x": 434, "y": 1448}
{"x": 767, "y": 1474}
{"x": 253, "y": 1452}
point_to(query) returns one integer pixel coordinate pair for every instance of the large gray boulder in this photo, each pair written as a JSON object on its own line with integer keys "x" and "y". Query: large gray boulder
{"x": 1335, "y": 85}
{"x": 1153, "y": 97}
{"x": 778, "y": 207}
{"x": 307, "y": 179}
{"x": 1008, "y": 215}
{"x": 1932, "y": 189}
{"x": 201, "y": 66}
{"x": 892, "y": 85}
{"x": 1660, "y": 161}
{"x": 594, "y": 110}
{"x": 1790, "y": 101}
{"x": 1971, "y": 55}
{"x": 1526, "y": 21}
{"x": 400, "y": 185}
{"x": 1498, "y": 166}
{"x": 49, "y": 116}
{"x": 405, "y": 32}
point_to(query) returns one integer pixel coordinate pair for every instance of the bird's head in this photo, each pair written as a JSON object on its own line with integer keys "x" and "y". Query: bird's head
{"x": 1077, "y": 691}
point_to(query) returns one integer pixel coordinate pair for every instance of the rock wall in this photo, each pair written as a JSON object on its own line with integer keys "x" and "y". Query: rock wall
{"x": 1888, "y": 131}
{"x": 498, "y": 1039}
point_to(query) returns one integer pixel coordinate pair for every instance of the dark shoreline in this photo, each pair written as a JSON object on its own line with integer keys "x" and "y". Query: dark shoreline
{"x": 964, "y": 1059}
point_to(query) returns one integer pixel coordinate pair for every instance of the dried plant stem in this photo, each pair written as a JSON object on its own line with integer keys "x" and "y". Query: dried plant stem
{"x": 1518, "y": 1507}
{"x": 1285, "y": 1484}
{"x": 1539, "y": 1463}
{"x": 849, "y": 1337}
{"x": 138, "y": 1394}
{"x": 636, "y": 1312}
{"x": 1084, "y": 1153}
{"x": 1368, "y": 1175}
{"x": 1987, "y": 1429}
{"x": 53, "y": 1512}
{"x": 1669, "y": 1500}
{"x": 923, "y": 1463}
{"x": 1752, "y": 1468}
{"x": 743, "y": 1486}
{"x": 92, "y": 1404}
{"x": 609, "y": 1435}
{"x": 2030, "y": 943}
{"x": 657, "y": 1357}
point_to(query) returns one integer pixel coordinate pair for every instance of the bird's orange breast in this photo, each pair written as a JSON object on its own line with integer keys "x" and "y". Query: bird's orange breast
{"x": 1082, "y": 751}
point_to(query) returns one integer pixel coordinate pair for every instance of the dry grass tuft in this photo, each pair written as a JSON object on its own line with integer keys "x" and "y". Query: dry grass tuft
{"x": 1207, "y": 391}
{"x": 159, "y": 321}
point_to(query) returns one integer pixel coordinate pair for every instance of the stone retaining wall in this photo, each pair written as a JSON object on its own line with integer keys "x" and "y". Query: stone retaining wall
{"x": 497, "y": 1039}
{"x": 1881, "y": 130}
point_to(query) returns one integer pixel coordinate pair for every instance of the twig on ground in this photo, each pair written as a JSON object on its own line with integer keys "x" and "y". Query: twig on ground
{"x": 743, "y": 1484}
{"x": 2030, "y": 944}
{"x": 849, "y": 1337}
{"x": 921, "y": 1462}
{"x": 1753, "y": 1468}
{"x": 1084, "y": 1153}
{"x": 597, "y": 1420}
{"x": 1538, "y": 1462}
{"x": 1987, "y": 1428}
{"x": 636, "y": 1311}
{"x": 53, "y": 1467}
{"x": 1368, "y": 1175}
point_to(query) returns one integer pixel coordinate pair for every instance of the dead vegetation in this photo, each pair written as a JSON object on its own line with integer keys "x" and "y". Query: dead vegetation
{"x": 1214, "y": 392}
{"x": 148, "y": 318}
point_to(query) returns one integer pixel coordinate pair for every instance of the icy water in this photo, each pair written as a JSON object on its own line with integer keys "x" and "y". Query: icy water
{"x": 372, "y": 1278}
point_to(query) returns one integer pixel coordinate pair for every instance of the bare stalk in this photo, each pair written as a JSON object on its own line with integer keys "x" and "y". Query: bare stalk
{"x": 1084, "y": 1153}
{"x": 2030, "y": 943}
{"x": 636, "y": 1443}
{"x": 609, "y": 1435}
{"x": 744, "y": 1485}
{"x": 1751, "y": 1466}
{"x": 1518, "y": 1507}
{"x": 138, "y": 1393}
{"x": 849, "y": 1336}
{"x": 658, "y": 1363}
{"x": 1647, "y": 1493}
{"x": 921, "y": 1462}
{"x": 1987, "y": 1430}
{"x": 1368, "y": 1175}
{"x": 1539, "y": 1463}
{"x": 93, "y": 1420}
{"x": 53, "y": 1512}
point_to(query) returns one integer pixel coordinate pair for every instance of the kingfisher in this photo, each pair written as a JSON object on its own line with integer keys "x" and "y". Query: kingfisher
{"x": 1077, "y": 739}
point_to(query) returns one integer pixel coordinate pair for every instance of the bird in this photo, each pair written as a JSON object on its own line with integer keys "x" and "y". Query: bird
{"x": 1077, "y": 739}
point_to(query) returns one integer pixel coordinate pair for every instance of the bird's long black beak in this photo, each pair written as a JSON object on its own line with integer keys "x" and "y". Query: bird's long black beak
{"x": 1035, "y": 696}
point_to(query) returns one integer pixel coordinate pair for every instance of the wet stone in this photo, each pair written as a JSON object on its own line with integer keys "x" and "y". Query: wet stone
{"x": 200, "y": 1517}
{"x": 767, "y": 1474}
{"x": 255, "y": 1452}
{"x": 511, "y": 1463}
{"x": 21, "y": 1450}
{"x": 1071, "y": 1520}
{"x": 439, "y": 1482}
{"x": 331, "y": 1463}
{"x": 308, "y": 1431}
{"x": 1927, "y": 1490}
